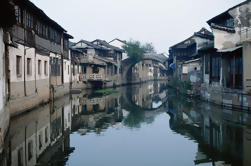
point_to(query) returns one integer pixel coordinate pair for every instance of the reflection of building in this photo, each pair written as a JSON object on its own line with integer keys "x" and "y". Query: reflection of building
{"x": 222, "y": 135}
{"x": 91, "y": 112}
{"x": 38, "y": 131}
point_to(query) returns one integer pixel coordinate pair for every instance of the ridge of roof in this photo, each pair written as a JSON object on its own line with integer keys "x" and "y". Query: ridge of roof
{"x": 122, "y": 41}
{"x": 226, "y": 12}
{"x": 40, "y": 12}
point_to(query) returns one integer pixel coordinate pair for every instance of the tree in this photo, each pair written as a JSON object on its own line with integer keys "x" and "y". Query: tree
{"x": 135, "y": 50}
{"x": 148, "y": 48}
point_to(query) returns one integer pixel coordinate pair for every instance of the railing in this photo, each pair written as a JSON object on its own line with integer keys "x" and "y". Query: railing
{"x": 95, "y": 77}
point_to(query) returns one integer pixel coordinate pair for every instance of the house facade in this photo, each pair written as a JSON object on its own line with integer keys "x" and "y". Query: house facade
{"x": 188, "y": 50}
{"x": 7, "y": 19}
{"x": 37, "y": 55}
{"x": 226, "y": 69}
{"x": 99, "y": 64}
{"x": 4, "y": 106}
{"x": 120, "y": 44}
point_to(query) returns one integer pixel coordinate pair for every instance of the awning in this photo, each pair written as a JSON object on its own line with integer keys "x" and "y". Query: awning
{"x": 230, "y": 49}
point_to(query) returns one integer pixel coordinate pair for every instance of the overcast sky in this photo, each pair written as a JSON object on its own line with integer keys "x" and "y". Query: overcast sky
{"x": 162, "y": 22}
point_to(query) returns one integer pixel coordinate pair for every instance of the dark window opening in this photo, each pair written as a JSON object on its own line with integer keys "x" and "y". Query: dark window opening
{"x": 95, "y": 70}
{"x": 29, "y": 67}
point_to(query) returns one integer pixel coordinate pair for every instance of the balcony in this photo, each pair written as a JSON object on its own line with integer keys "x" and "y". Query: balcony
{"x": 92, "y": 77}
{"x": 95, "y": 77}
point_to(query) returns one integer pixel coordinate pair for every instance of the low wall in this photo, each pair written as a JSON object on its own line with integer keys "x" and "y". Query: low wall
{"x": 227, "y": 97}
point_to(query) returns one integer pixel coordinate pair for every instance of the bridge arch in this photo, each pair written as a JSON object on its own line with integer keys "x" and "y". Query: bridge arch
{"x": 128, "y": 64}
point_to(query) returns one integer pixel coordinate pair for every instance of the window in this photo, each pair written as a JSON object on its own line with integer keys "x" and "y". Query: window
{"x": 19, "y": 66}
{"x": 39, "y": 67}
{"x": 46, "y": 135}
{"x": 207, "y": 64}
{"x": 52, "y": 35}
{"x": 216, "y": 68}
{"x": 66, "y": 44}
{"x": 68, "y": 69}
{"x": 84, "y": 69}
{"x": 18, "y": 14}
{"x": 28, "y": 20}
{"x": 29, "y": 67}
{"x": 45, "y": 68}
{"x": 39, "y": 28}
{"x": 45, "y": 31}
{"x": 30, "y": 150}
{"x": 40, "y": 141}
{"x": 20, "y": 157}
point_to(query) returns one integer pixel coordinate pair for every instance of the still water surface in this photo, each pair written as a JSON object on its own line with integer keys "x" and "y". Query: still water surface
{"x": 141, "y": 125}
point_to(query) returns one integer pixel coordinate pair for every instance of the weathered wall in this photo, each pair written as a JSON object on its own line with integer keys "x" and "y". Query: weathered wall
{"x": 2, "y": 72}
{"x": 227, "y": 97}
{"x": 120, "y": 45}
{"x": 28, "y": 90}
{"x": 242, "y": 23}
{"x": 67, "y": 71}
{"x": 224, "y": 40}
{"x": 4, "y": 107}
{"x": 246, "y": 66}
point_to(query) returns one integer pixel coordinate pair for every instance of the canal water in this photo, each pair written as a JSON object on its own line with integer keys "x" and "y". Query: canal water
{"x": 139, "y": 125}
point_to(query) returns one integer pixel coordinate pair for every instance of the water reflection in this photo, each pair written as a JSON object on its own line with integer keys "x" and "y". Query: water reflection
{"x": 223, "y": 135}
{"x": 55, "y": 134}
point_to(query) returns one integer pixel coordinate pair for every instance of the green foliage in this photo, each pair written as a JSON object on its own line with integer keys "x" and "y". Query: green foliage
{"x": 148, "y": 48}
{"x": 135, "y": 50}
{"x": 106, "y": 91}
{"x": 182, "y": 87}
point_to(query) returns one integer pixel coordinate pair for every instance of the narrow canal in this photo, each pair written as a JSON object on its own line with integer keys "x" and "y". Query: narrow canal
{"x": 140, "y": 125}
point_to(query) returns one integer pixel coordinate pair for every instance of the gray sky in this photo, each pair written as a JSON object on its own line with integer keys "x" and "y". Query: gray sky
{"x": 162, "y": 22}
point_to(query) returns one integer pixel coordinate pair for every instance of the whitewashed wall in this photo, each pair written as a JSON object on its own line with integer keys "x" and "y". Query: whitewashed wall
{"x": 2, "y": 69}
{"x": 67, "y": 70}
{"x": 120, "y": 45}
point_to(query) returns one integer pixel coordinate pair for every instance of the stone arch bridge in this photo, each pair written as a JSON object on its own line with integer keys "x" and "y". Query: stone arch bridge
{"x": 128, "y": 64}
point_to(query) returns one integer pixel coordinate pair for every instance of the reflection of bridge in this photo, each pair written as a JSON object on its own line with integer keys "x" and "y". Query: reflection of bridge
{"x": 127, "y": 64}
{"x": 128, "y": 104}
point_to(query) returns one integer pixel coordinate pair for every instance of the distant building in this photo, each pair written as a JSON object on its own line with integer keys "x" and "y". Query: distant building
{"x": 120, "y": 44}
{"x": 188, "y": 50}
{"x": 100, "y": 63}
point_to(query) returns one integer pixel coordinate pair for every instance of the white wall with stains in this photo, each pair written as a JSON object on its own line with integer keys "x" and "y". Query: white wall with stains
{"x": 2, "y": 69}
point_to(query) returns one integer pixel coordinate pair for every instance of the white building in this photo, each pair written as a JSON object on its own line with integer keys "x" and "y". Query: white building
{"x": 119, "y": 43}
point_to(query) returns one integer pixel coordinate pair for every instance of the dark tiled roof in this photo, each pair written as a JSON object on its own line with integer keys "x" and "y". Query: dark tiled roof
{"x": 104, "y": 43}
{"x": 185, "y": 43}
{"x": 203, "y": 33}
{"x": 32, "y": 7}
{"x": 226, "y": 13}
{"x": 224, "y": 28}
{"x": 92, "y": 45}
{"x": 68, "y": 36}
{"x": 122, "y": 41}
